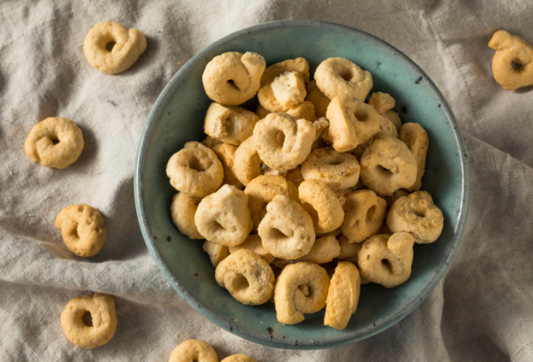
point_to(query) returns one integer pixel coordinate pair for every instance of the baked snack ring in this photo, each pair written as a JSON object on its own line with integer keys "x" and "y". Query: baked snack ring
{"x": 54, "y": 142}
{"x": 290, "y": 76}
{"x": 224, "y": 217}
{"x": 351, "y": 122}
{"x": 288, "y": 90}
{"x": 247, "y": 276}
{"x": 103, "y": 324}
{"x": 261, "y": 111}
{"x": 182, "y": 210}
{"x": 247, "y": 164}
{"x": 127, "y": 47}
{"x": 386, "y": 259}
{"x": 305, "y": 110}
{"x": 232, "y": 78}
{"x": 82, "y": 228}
{"x": 295, "y": 176}
{"x": 193, "y": 350}
{"x": 394, "y": 118}
{"x": 280, "y": 264}
{"x": 324, "y": 250}
{"x": 387, "y": 127}
{"x": 416, "y": 214}
{"x": 255, "y": 244}
{"x": 299, "y": 65}
{"x": 320, "y": 125}
{"x": 416, "y": 139}
{"x": 262, "y": 189}
{"x": 511, "y": 49}
{"x": 349, "y": 251}
{"x": 231, "y": 125}
{"x": 365, "y": 212}
{"x": 211, "y": 142}
{"x": 195, "y": 170}
{"x": 322, "y": 204}
{"x": 336, "y": 232}
{"x": 390, "y": 122}
{"x": 238, "y": 358}
{"x": 226, "y": 154}
{"x": 216, "y": 252}
{"x": 382, "y": 102}
{"x": 343, "y": 194}
{"x": 336, "y": 76}
{"x": 337, "y": 170}
{"x": 360, "y": 149}
{"x": 287, "y": 229}
{"x": 387, "y": 165}
{"x": 283, "y": 142}
{"x": 343, "y": 295}
{"x": 301, "y": 288}
{"x": 272, "y": 172}
{"x": 395, "y": 196}
{"x": 319, "y": 100}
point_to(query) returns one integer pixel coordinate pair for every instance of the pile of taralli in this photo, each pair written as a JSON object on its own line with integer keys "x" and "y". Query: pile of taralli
{"x": 310, "y": 196}
{"x": 300, "y": 202}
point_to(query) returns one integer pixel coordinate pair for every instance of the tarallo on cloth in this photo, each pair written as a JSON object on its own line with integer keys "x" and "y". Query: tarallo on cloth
{"x": 482, "y": 310}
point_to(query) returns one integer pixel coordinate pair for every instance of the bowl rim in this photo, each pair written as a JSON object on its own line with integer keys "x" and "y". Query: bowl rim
{"x": 222, "y": 322}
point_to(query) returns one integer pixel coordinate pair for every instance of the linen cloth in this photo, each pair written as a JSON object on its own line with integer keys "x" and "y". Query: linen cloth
{"x": 482, "y": 310}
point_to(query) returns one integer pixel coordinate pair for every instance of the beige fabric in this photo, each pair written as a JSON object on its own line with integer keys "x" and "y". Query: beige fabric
{"x": 481, "y": 311}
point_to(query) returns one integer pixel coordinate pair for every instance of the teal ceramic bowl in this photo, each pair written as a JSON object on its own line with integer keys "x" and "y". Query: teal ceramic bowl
{"x": 177, "y": 117}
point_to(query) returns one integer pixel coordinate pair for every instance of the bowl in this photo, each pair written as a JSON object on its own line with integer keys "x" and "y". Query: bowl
{"x": 177, "y": 117}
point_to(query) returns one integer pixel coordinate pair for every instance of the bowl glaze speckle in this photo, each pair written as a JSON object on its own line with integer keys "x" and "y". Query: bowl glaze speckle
{"x": 177, "y": 117}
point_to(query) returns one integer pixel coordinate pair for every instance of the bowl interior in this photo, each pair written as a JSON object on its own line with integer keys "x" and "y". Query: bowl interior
{"x": 177, "y": 117}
